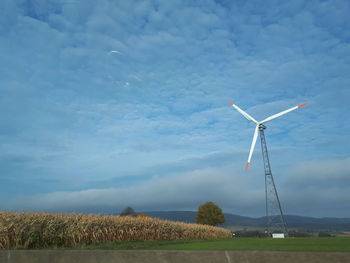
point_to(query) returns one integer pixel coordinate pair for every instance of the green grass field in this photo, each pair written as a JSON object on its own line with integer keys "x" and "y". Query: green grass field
{"x": 333, "y": 244}
{"x": 287, "y": 244}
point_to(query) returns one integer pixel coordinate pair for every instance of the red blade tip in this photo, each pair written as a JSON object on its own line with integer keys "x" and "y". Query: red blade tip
{"x": 230, "y": 102}
{"x": 246, "y": 166}
{"x": 301, "y": 105}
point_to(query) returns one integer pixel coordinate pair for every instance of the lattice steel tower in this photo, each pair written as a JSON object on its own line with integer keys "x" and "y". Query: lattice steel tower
{"x": 274, "y": 214}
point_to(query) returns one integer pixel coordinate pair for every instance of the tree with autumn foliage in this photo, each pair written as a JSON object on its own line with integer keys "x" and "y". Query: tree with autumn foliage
{"x": 210, "y": 214}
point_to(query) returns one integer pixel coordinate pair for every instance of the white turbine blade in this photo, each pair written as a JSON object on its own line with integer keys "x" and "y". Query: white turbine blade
{"x": 246, "y": 115}
{"x": 283, "y": 112}
{"x": 255, "y": 136}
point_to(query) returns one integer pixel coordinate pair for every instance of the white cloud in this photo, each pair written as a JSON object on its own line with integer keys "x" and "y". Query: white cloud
{"x": 310, "y": 189}
{"x": 83, "y": 114}
{"x": 179, "y": 191}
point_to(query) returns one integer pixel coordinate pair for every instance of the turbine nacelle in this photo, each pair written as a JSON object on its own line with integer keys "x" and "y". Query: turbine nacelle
{"x": 262, "y": 126}
{"x": 259, "y": 125}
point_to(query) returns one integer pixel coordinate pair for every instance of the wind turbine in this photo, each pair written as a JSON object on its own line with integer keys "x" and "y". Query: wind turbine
{"x": 273, "y": 204}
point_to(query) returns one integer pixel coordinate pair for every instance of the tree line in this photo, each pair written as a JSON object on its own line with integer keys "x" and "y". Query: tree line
{"x": 207, "y": 214}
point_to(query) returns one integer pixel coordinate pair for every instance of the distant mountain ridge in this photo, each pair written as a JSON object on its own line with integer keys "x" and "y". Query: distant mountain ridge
{"x": 237, "y": 221}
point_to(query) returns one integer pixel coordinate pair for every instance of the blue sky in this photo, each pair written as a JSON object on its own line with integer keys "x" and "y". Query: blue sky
{"x": 84, "y": 129}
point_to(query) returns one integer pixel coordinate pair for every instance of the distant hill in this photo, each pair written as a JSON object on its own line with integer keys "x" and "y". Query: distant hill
{"x": 236, "y": 221}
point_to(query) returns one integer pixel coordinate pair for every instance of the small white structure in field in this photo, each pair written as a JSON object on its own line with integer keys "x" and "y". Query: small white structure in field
{"x": 278, "y": 235}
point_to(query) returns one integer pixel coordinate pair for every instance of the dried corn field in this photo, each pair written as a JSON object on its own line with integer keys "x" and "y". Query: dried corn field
{"x": 44, "y": 230}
